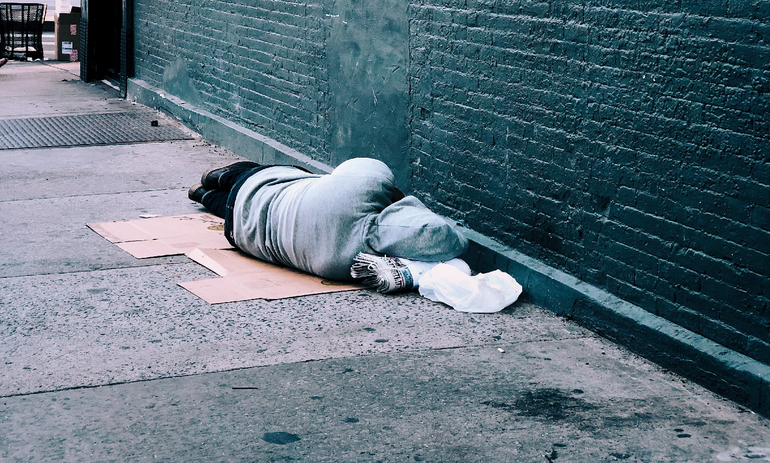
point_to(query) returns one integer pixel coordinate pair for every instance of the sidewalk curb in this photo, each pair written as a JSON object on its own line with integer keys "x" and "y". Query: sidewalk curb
{"x": 713, "y": 366}
{"x": 220, "y": 131}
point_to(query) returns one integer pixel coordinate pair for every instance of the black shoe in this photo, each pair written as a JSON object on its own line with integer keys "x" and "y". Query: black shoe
{"x": 197, "y": 192}
{"x": 210, "y": 178}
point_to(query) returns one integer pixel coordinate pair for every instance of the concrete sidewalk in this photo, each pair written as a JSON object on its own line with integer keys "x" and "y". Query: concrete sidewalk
{"x": 105, "y": 358}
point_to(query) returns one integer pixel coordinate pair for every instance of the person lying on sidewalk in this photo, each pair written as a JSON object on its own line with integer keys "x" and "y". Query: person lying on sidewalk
{"x": 326, "y": 224}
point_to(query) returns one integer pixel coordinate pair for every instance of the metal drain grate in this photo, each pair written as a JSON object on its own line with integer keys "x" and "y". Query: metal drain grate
{"x": 82, "y": 130}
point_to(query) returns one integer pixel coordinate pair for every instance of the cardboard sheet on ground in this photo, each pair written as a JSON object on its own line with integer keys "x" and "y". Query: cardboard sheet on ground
{"x": 244, "y": 278}
{"x": 201, "y": 238}
{"x": 165, "y": 236}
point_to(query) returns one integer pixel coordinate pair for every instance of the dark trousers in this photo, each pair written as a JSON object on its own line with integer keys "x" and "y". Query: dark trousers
{"x": 216, "y": 200}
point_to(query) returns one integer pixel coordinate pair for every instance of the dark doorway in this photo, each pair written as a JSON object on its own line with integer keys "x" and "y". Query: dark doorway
{"x": 112, "y": 20}
{"x": 107, "y": 26}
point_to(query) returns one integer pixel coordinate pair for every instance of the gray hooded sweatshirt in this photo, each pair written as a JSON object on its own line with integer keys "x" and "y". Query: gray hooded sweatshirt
{"x": 319, "y": 223}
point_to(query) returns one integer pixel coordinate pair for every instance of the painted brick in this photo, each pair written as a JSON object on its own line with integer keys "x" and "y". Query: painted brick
{"x": 258, "y": 63}
{"x": 624, "y": 142}
{"x": 635, "y": 132}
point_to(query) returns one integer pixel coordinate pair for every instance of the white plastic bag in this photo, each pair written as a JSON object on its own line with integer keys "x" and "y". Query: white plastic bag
{"x": 483, "y": 293}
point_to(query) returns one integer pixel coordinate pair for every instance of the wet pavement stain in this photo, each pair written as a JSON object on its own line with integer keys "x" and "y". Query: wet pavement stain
{"x": 548, "y": 403}
{"x": 280, "y": 438}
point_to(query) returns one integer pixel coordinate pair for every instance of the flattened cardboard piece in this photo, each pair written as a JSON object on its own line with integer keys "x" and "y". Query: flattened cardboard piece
{"x": 245, "y": 278}
{"x": 165, "y": 236}
{"x": 148, "y": 248}
{"x": 201, "y": 238}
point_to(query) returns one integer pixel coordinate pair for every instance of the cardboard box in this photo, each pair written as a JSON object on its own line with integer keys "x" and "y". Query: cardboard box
{"x": 67, "y": 32}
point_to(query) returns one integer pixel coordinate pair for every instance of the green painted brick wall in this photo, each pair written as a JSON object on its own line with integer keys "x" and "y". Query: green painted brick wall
{"x": 259, "y": 63}
{"x": 624, "y": 142}
{"x": 327, "y": 79}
